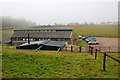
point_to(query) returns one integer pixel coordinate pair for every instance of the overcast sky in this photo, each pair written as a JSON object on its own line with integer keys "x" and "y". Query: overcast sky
{"x": 61, "y": 11}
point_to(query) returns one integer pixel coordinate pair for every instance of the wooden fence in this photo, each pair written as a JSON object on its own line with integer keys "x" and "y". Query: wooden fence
{"x": 107, "y": 48}
{"x": 104, "y": 56}
{"x": 87, "y": 49}
{"x": 76, "y": 49}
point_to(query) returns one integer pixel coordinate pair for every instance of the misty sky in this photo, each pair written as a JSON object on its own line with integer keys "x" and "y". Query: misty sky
{"x": 61, "y": 11}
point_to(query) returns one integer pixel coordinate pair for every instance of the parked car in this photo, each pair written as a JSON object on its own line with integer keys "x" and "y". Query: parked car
{"x": 90, "y": 39}
{"x": 86, "y": 37}
{"x": 92, "y": 42}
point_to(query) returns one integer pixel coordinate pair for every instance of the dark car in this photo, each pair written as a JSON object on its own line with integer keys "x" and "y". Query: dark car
{"x": 86, "y": 37}
{"x": 90, "y": 39}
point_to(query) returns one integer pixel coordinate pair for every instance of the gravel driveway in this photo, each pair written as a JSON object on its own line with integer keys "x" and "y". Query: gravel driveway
{"x": 108, "y": 44}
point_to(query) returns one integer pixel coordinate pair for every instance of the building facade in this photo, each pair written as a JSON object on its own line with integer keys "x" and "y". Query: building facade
{"x": 37, "y": 34}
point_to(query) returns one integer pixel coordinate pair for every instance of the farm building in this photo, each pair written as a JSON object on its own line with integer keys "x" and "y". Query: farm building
{"x": 20, "y": 36}
{"x": 43, "y": 45}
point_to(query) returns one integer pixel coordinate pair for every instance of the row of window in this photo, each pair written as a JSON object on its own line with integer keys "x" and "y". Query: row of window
{"x": 34, "y": 30}
{"x": 42, "y": 30}
{"x": 36, "y": 39}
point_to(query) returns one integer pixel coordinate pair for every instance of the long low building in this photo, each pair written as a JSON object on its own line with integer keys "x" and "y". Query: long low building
{"x": 20, "y": 36}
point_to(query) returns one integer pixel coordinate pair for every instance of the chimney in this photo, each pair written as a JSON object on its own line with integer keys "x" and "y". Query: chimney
{"x": 28, "y": 39}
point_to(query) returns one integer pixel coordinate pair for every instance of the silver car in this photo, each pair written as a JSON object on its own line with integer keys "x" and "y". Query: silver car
{"x": 92, "y": 42}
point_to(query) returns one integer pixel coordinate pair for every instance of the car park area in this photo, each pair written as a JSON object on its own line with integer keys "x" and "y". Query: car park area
{"x": 106, "y": 44}
{"x": 90, "y": 40}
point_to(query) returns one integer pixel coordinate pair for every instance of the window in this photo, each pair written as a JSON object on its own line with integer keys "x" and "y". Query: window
{"x": 31, "y": 39}
{"x": 56, "y": 39}
{"x": 62, "y": 40}
{"x": 13, "y": 39}
{"x": 40, "y": 39}
{"x": 23, "y": 39}
{"x": 36, "y": 39}
{"x": 27, "y": 30}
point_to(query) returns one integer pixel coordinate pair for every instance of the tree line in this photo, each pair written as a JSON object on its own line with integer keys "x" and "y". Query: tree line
{"x": 9, "y": 22}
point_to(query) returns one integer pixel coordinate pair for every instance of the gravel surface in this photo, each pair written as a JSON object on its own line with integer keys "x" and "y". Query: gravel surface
{"x": 108, "y": 44}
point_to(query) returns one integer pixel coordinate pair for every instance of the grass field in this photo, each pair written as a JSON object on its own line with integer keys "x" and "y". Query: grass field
{"x": 94, "y": 30}
{"x": 82, "y": 44}
{"x": 49, "y": 64}
{"x": 88, "y": 30}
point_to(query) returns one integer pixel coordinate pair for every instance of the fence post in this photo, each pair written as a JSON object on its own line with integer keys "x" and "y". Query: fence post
{"x": 104, "y": 60}
{"x": 71, "y": 48}
{"x": 91, "y": 50}
{"x": 109, "y": 48}
{"x": 66, "y": 48}
{"x": 96, "y": 53}
{"x": 100, "y": 49}
{"x": 80, "y": 49}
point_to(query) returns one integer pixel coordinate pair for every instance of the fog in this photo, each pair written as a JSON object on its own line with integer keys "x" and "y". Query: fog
{"x": 61, "y": 11}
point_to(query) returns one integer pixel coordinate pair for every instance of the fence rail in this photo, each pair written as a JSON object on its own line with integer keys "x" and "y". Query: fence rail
{"x": 76, "y": 49}
{"x": 87, "y": 49}
{"x": 104, "y": 57}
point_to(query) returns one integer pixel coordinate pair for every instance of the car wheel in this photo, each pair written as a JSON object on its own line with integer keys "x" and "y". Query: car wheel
{"x": 97, "y": 43}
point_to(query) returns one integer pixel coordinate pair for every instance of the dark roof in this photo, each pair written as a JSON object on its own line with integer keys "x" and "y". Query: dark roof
{"x": 44, "y": 29}
{"x": 46, "y": 43}
{"x": 43, "y": 34}
{"x": 55, "y": 43}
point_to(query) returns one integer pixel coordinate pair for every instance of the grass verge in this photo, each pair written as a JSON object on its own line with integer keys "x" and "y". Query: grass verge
{"x": 49, "y": 64}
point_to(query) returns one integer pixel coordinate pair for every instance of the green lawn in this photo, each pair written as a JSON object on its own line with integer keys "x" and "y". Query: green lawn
{"x": 82, "y": 44}
{"x": 49, "y": 64}
{"x": 87, "y": 30}
{"x": 94, "y": 30}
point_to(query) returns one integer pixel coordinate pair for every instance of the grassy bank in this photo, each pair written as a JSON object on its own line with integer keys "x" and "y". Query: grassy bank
{"x": 49, "y": 64}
